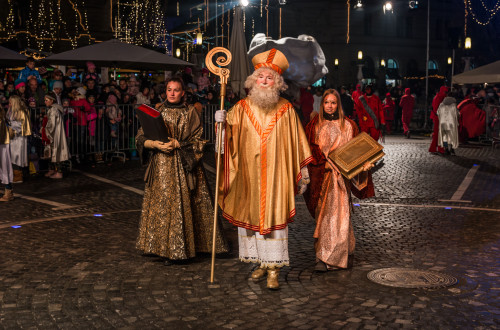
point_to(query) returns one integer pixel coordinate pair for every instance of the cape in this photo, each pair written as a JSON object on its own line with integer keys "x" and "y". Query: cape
{"x": 263, "y": 154}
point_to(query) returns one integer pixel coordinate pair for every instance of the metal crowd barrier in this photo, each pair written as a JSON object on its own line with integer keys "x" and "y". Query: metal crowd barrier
{"x": 207, "y": 117}
{"x": 492, "y": 123}
{"x": 95, "y": 133}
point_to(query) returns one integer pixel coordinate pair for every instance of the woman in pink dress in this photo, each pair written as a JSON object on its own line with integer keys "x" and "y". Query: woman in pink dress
{"x": 329, "y": 193}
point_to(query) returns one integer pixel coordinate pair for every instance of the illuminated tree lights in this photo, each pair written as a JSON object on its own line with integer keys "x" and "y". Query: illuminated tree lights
{"x": 47, "y": 22}
{"x": 140, "y": 22}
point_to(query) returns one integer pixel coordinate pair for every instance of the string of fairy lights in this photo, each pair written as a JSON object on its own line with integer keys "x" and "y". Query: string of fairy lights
{"x": 495, "y": 8}
{"x": 486, "y": 17}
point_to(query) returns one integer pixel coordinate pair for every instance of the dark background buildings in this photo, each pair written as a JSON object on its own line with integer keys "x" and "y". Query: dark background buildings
{"x": 399, "y": 36}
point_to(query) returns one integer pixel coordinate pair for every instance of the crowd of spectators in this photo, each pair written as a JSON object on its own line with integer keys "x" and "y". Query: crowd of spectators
{"x": 484, "y": 102}
{"x": 99, "y": 116}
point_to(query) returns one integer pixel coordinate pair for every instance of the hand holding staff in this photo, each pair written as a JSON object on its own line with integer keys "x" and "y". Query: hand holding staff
{"x": 223, "y": 73}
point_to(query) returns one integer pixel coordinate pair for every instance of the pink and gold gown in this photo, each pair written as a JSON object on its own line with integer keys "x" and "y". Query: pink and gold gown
{"x": 328, "y": 196}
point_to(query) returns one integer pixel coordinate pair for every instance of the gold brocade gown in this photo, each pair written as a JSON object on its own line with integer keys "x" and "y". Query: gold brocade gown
{"x": 177, "y": 211}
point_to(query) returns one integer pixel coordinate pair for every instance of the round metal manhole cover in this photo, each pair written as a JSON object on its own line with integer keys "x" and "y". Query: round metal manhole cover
{"x": 410, "y": 278}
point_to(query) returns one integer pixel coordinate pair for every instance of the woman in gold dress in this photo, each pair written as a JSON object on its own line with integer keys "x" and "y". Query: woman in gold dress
{"x": 329, "y": 195}
{"x": 177, "y": 211}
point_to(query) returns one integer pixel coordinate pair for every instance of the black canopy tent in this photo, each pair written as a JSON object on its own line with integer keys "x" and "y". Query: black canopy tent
{"x": 115, "y": 53}
{"x": 10, "y": 58}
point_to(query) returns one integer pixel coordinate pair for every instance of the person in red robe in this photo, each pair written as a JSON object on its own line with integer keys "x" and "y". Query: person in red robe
{"x": 357, "y": 93}
{"x": 434, "y": 148}
{"x": 306, "y": 105}
{"x": 472, "y": 121}
{"x": 407, "y": 104}
{"x": 328, "y": 197}
{"x": 389, "y": 107}
{"x": 370, "y": 113}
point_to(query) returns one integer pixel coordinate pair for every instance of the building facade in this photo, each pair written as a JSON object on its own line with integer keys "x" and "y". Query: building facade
{"x": 393, "y": 41}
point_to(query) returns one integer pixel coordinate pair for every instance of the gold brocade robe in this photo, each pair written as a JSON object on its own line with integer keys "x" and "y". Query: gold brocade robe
{"x": 177, "y": 211}
{"x": 263, "y": 154}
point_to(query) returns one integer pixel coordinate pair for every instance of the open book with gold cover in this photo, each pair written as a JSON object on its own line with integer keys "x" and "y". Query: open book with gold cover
{"x": 351, "y": 157}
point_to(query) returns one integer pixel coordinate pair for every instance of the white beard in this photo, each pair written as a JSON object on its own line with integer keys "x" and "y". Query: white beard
{"x": 265, "y": 98}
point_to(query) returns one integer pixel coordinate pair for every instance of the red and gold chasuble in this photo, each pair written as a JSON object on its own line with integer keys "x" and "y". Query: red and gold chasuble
{"x": 264, "y": 152}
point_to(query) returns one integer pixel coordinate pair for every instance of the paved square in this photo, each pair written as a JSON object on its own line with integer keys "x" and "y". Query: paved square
{"x": 68, "y": 268}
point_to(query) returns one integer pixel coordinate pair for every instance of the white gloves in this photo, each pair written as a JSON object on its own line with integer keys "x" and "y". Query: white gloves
{"x": 162, "y": 146}
{"x": 220, "y": 116}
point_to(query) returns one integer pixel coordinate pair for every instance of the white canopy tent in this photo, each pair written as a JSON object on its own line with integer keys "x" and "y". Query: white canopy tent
{"x": 489, "y": 73}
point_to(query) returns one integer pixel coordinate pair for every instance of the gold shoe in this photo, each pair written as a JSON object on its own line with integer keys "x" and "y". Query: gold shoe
{"x": 272, "y": 278}
{"x": 259, "y": 273}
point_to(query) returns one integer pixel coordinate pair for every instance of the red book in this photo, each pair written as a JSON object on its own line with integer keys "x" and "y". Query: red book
{"x": 152, "y": 123}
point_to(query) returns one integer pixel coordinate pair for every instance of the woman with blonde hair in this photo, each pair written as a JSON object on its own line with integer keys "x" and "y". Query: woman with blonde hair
{"x": 329, "y": 195}
{"x": 19, "y": 130}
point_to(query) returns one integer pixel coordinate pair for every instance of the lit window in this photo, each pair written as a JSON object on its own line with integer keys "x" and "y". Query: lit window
{"x": 392, "y": 64}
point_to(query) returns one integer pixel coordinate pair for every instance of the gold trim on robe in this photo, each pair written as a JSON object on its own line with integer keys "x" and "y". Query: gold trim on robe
{"x": 264, "y": 152}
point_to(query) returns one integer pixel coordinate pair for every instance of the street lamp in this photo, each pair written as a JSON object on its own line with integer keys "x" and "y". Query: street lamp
{"x": 244, "y": 3}
{"x": 178, "y": 52}
{"x": 359, "y": 4}
{"x": 336, "y": 73}
{"x": 360, "y": 67}
{"x": 382, "y": 63}
{"x": 388, "y": 7}
{"x": 467, "y": 58}
{"x": 199, "y": 38}
{"x": 451, "y": 63}
{"x": 468, "y": 43}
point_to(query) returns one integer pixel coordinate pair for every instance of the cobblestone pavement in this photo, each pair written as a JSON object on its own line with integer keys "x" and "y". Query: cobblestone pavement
{"x": 67, "y": 268}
